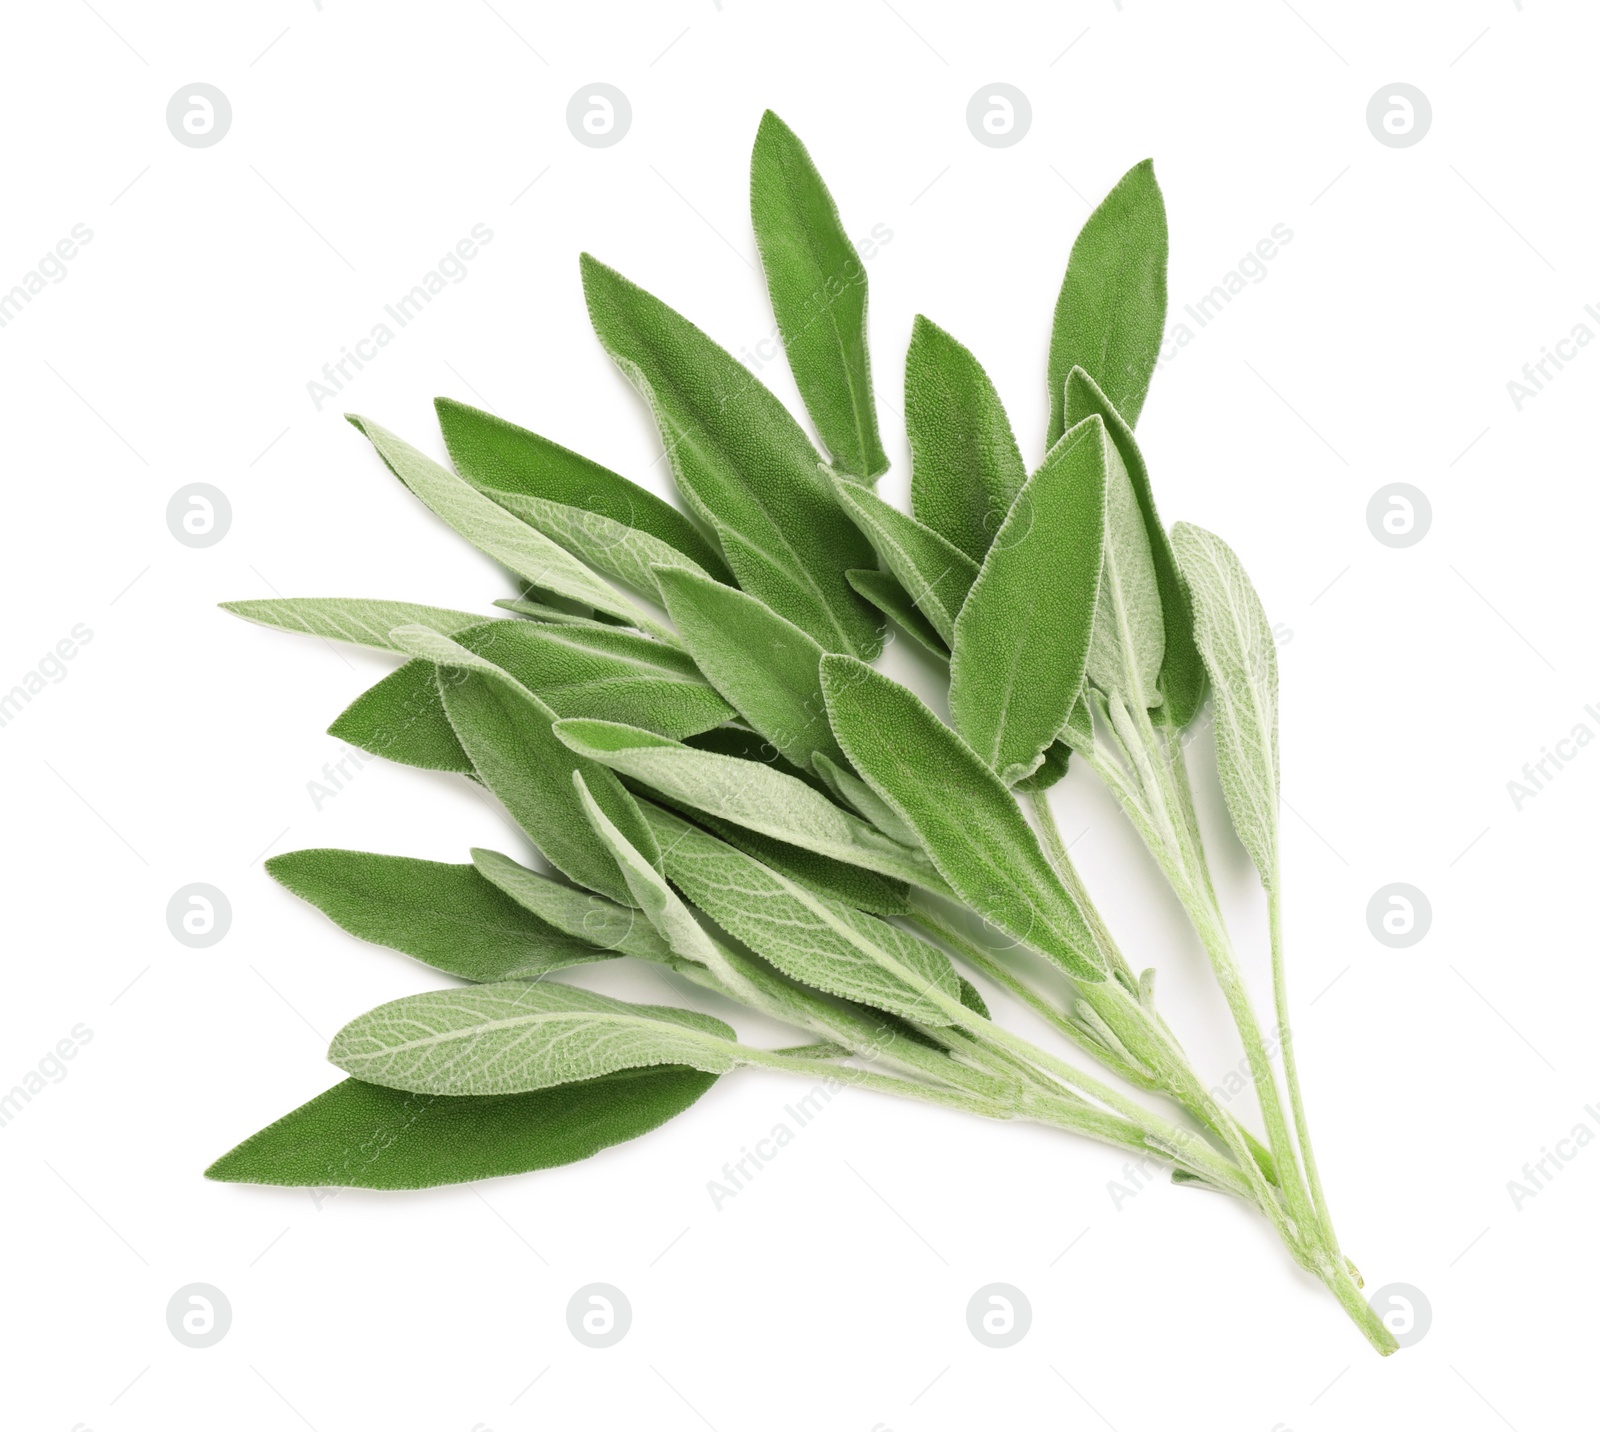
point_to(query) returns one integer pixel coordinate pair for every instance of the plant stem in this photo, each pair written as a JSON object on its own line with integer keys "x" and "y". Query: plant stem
{"x": 1280, "y": 996}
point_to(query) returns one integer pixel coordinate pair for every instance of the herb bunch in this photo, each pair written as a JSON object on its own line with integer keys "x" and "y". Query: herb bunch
{"x": 681, "y": 716}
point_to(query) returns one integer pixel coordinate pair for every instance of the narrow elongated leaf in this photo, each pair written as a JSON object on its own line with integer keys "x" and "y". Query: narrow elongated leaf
{"x": 1235, "y": 638}
{"x": 447, "y": 916}
{"x": 850, "y": 790}
{"x": 494, "y": 531}
{"x": 761, "y": 663}
{"x": 576, "y": 671}
{"x": 402, "y": 719}
{"x": 544, "y": 612}
{"x": 506, "y": 730}
{"x": 625, "y": 554}
{"x": 1022, "y": 640}
{"x": 884, "y": 591}
{"x": 352, "y": 619}
{"x": 582, "y": 914}
{"x": 492, "y": 453}
{"x": 741, "y": 462}
{"x": 981, "y": 844}
{"x": 1113, "y": 301}
{"x": 748, "y": 793}
{"x": 512, "y": 1038}
{"x": 966, "y": 470}
{"x": 1183, "y": 675}
{"x": 851, "y": 884}
{"x": 748, "y": 745}
{"x": 936, "y": 574}
{"x": 359, "y": 1135}
{"x": 1129, "y": 638}
{"x": 818, "y": 941}
{"x": 819, "y": 296}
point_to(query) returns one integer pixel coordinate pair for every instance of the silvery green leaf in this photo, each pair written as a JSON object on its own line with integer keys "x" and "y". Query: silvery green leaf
{"x": 1235, "y": 638}
{"x": 402, "y": 718}
{"x": 761, "y": 663}
{"x": 884, "y": 591}
{"x": 495, "y": 532}
{"x": 1023, "y": 637}
{"x": 544, "y": 612}
{"x": 511, "y": 1038}
{"x": 819, "y": 296}
{"x": 966, "y": 470}
{"x": 1182, "y": 681}
{"x": 1129, "y": 639}
{"x": 741, "y": 462}
{"x": 748, "y": 793}
{"x": 980, "y": 843}
{"x": 490, "y": 452}
{"x": 625, "y": 554}
{"x": 1113, "y": 301}
{"x": 506, "y": 730}
{"x": 447, "y": 916}
{"x": 850, "y": 790}
{"x": 818, "y": 941}
{"x": 936, "y": 574}
{"x": 352, "y": 619}
{"x": 582, "y": 914}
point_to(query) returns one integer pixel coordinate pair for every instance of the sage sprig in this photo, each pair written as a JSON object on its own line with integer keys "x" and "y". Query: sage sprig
{"x": 681, "y": 715}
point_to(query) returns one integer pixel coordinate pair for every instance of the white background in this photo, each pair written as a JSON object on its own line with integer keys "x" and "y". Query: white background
{"x": 366, "y": 140}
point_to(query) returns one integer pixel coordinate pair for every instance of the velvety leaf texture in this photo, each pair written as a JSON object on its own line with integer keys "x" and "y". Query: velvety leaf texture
{"x": 447, "y": 916}
{"x": 1183, "y": 674}
{"x": 352, "y": 619}
{"x": 492, "y": 453}
{"x": 966, "y": 469}
{"x": 1022, "y": 640}
{"x": 981, "y": 844}
{"x": 740, "y": 461}
{"x": 819, "y": 296}
{"x": 1241, "y": 657}
{"x": 1113, "y": 301}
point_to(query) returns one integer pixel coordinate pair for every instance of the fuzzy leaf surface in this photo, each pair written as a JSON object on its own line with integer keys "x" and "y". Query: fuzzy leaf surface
{"x": 741, "y": 462}
{"x": 1182, "y": 681}
{"x": 359, "y": 1135}
{"x": 1235, "y": 638}
{"x": 966, "y": 469}
{"x": 820, "y": 942}
{"x": 352, "y": 619}
{"x": 1023, "y": 637}
{"x": 765, "y": 666}
{"x": 1113, "y": 301}
{"x": 513, "y": 1038}
{"x": 936, "y": 574}
{"x": 492, "y": 453}
{"x": 819, "y": 296}
{"x": 748, "y": 793}
{"x": 968, "y": 822}
{"x": 447, "y": 916}
{"x": 601, "y": 923}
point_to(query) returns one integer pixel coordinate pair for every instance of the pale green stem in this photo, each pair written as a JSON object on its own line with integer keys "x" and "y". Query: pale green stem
{"x": 1280, "y": 996}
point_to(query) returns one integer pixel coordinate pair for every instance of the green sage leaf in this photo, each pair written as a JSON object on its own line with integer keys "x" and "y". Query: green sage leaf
{"x": 741, "y": 462}
{"x": 966, "y": 470}
{"x": 447, "y": 916}
{"x": 884, "y": 591}
{"x": 762, "y": 664}
{"x": 1182, "y": 682}
{"x": 512, "y": 1038}
{"x": 819, "y": 296}
{"x": 936, "y": 574}
{"x": 980, "y": 843}
{"x": 507, "y": 731}
{"x": 1241, "y": 658}
{"x": 616, "y": 929}
{"x": 1113, "y": 301}
{"x": 748, "y": 793}
{"x": 352, "y": 619}
{"x": 820, "y": 942}
{"x": 495, "y": 532}
{"x": 360, "y": 1135}
{"x": 1022, "y": 640}
{"x": 402, "y": 718}
{"x": 492, "y": 453}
